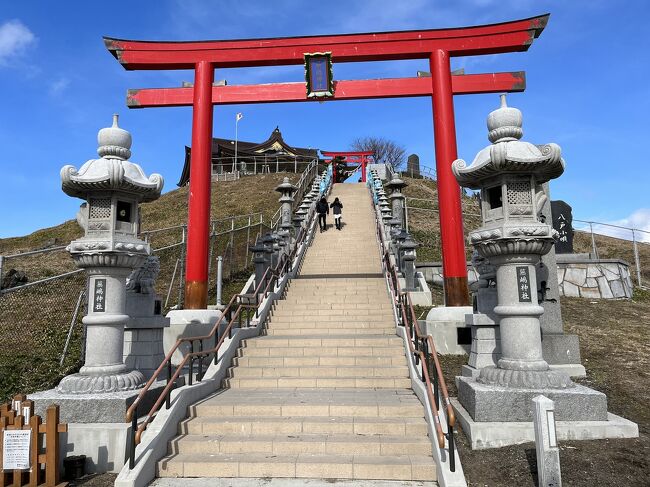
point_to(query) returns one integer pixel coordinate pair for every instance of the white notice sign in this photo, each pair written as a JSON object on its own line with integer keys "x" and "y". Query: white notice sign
{"x": 15, "y": 449}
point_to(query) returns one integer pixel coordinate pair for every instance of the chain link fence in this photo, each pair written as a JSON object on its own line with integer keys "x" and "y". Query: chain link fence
{"x": 41, "y": 318}
{"x": 34, "y": 322}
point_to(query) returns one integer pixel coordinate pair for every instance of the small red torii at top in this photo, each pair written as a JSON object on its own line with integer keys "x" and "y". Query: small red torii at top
{"x": 356, "y": 157}
{"x": 436, "y": 46}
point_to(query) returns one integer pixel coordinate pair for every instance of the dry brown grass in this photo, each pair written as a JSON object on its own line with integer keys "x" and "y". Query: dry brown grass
{"x": 424, "y": 223}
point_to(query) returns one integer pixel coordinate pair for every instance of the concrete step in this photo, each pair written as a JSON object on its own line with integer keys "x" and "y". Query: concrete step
{"x": 339, "y": 292}
{"x": 319, "y": 382}
{"x": 302, "y": 443}
{"x": 298, "y": 306}
{"x": 292, "y": 425}
{"x": 322, "y": 341}
{"x": 284, "y": 310}
{"x": 350, "y": 299}
{"x": 304, "y": 465}
{"x": 319, "y": 371}
{"x": 334, "y": 351}
{"x": 309, "y": 403}
{"x": 315, "y": 360}
{"x": 349, "y": 328}
{"x": 359, "y": 316}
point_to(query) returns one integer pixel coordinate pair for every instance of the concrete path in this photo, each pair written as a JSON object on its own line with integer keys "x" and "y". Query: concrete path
{"x": 325, "y": 394}
{"x": 266, "y": 482}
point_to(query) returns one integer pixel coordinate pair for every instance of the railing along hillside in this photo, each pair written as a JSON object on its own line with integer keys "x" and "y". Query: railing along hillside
{"x": 262, "y": 164}
{"x": 239, "y": 310}
{"x": 421, "y": 347}
{"x": 55, "y": 330}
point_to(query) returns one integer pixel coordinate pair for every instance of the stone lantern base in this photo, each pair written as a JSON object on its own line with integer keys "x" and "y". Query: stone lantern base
{"x": 495, "y": 403}
{"x": 84, "y": 383}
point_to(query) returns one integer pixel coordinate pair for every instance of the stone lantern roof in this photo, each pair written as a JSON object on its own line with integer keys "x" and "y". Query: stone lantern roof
{"x": 396, "y": 184}
{"x": 112, "y": 172}
{"x": 285, "y": 187}
{"x": 508, "y": 154}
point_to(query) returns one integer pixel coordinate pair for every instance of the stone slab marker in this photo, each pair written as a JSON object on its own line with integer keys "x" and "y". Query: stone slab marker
{"x": 548, "y": 453}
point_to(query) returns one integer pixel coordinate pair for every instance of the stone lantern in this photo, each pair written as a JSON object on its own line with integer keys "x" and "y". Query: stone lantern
{"x": 510, "y": 173}
{"x": 268, "y": 242}
{"x": 287, "y": 190}
{"x": 259, "y": 261}
{"x": 297, "y": 224}
{"x": 407, "y": 259}
{"x": 396, "y": 185}
{"x": 110, "y": 249}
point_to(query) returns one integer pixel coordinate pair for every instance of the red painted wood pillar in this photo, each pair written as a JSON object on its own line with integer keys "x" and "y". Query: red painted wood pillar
{"x": 364, "y": 161}
{"x": 333, "y": 170}
{"x": 451, "y": 218}
{"x": 198, "y": 219}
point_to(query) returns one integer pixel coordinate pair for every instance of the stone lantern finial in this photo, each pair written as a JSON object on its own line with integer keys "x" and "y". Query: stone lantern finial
{"x": 505, "y": 123}
{"x": 114, "y": 142}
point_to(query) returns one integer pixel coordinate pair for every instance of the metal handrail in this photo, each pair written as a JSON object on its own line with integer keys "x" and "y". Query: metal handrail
{"x": 424, "y": 352}
{"x": 267, "y": 282}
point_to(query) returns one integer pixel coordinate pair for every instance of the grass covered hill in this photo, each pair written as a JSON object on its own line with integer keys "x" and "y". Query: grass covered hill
{"x": 247, "y": 195}
{"x": 34, "y": 321}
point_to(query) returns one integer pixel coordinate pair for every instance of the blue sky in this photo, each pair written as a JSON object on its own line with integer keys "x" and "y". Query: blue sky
{"x": 587, "y": 90}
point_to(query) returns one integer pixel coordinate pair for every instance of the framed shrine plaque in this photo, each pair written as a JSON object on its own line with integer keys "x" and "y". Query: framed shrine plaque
{"x": 318, "y": 75}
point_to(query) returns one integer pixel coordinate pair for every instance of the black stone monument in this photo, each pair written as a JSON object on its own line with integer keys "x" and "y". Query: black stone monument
{"x": 562, "y": 219}
{"x": 413, "y": 165}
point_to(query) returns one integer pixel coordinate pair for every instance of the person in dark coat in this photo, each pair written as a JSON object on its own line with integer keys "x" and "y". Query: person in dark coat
{"x": 323, "y": 209}
{"x": 337, "y": 206}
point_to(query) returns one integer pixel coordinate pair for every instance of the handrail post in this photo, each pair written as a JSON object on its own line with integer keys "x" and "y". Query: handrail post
{"x": 134, "y": 429}
{"x": 216, "y": 342}
{"x": 190, "y": 380}
{"x": 450, "y": 439}
{"x": 199, "y": 375}
{"x": 169, "y": 378}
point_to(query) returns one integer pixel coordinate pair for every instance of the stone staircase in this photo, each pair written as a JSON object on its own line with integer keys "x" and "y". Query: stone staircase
{"x": 326, "y": 392}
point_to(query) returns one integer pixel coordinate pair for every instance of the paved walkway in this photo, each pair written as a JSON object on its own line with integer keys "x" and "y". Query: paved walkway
{"x": 325, "y": 394}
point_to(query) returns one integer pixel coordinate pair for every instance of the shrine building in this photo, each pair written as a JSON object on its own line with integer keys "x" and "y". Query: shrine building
{"x": 272, "y": 155}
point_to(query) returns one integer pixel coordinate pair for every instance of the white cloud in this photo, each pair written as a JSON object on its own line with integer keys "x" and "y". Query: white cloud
{"x": 58, "y": 86}
{"x": 15, "y": 38}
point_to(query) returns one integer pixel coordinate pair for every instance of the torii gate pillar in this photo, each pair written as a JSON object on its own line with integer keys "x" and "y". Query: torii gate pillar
{"x": 450, "y": 210}
{"x": 198, "y": 224}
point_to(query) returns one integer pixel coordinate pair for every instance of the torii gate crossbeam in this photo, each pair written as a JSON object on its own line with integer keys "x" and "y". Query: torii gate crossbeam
{"x": 436, "y": 45}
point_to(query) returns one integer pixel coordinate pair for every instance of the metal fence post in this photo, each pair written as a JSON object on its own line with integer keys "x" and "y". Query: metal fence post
{"x": 181, "y": 280}
{"x": 248, "y": 237}
{"x": 593, "y": 241}
{"x": 636, "y": 258}
{"x": 219, "y": 279}
{"x": 232, "y": 244}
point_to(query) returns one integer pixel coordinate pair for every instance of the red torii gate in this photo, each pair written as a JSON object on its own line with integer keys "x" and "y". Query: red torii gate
{"x": 358, "y": 157}
{"x": 436, "y": 45}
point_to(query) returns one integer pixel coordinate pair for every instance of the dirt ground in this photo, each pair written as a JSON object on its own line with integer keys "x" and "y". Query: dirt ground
{"x": 615, "y": 347}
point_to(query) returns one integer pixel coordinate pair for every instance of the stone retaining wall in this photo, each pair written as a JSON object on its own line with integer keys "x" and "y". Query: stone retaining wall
{"x": 577, "y": 276}
{"x": 595, "y": 279}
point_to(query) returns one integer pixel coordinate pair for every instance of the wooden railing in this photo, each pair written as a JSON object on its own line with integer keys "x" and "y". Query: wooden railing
{"x": 423, "y": 350}
{"x": 44, "y": 455}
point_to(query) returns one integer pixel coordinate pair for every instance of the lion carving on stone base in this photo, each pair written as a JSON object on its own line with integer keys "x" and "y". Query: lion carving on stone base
{"x": 143, "y": 278}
